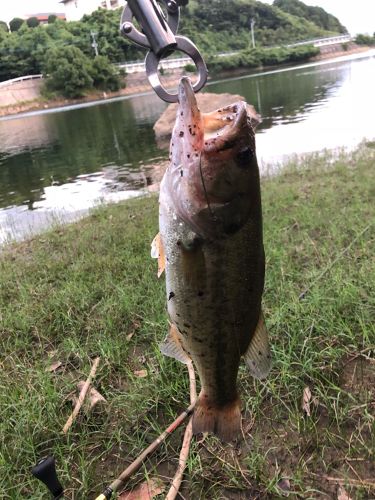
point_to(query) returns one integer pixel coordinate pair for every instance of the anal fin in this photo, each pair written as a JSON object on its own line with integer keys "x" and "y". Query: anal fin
{"x": 258, "y": 354}
{"x": 157, "y": 252}
{"x": 172, "y": 347}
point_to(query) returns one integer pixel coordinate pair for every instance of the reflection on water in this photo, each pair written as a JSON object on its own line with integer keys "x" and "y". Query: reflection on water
{"x": 65, "y": 162}
{"x": 310, "y": 108}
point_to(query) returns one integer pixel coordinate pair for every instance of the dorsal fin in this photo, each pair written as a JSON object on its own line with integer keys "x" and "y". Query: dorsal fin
{"x": 258, "y": 355}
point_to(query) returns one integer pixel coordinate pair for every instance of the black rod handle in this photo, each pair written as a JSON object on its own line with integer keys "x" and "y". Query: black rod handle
{"x": 45, "y": 471}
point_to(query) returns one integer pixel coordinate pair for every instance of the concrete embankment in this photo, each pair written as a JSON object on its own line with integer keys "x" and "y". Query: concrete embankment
{"x": 20, "y": 92}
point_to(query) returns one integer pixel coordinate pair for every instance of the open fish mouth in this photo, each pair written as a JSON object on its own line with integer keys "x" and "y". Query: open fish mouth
{"x": 216, "y": 131}
{"x": 213, "y": 165}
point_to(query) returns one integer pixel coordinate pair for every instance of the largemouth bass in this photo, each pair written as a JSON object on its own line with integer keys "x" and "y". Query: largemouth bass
{"x": 211, "y": 246}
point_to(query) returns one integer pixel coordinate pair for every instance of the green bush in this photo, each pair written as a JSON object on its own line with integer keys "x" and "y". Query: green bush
{"x": 189, "y": 68}
{"x": 4, "y": 26}
{"x": 302, "y": 53}
{"x": 51, "y": 18}
{"x": 252, "y": 58}
{"x": 104, "y": 74}
{"x": 68, "y": 71}
{"x": 32, "y": 22}
{"x": 273, "y": 56}
{"x": 365, "y": 40}
{"x": 15, "y": 24}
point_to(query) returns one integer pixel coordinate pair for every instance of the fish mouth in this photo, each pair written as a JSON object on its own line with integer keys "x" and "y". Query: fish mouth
{"x": 210, "y": 173}
{"x": 224, "y": 127}
{"x": 211, "y": 132}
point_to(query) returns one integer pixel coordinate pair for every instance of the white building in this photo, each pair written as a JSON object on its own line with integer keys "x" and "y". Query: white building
{"x": 76, "y": 9}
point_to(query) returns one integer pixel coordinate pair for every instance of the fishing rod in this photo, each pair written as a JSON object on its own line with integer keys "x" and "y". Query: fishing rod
{"x": 134, "y": 466}
{"x": 45, "y": 470}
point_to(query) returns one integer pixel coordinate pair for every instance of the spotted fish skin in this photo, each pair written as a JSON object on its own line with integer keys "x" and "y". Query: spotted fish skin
{"x": 211, "y": 234}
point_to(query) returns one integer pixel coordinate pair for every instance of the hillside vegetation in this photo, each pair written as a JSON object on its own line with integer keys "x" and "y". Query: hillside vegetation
{"x": 316, "y": 15}
{"x": 220, "y": 25}
{"x": 214, "y": 25}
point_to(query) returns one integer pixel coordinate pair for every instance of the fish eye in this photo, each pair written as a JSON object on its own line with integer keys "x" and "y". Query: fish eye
{"x": 243, "y": 157}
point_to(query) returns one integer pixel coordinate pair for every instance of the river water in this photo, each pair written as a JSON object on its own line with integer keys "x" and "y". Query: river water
{"x": 54, "y": 166}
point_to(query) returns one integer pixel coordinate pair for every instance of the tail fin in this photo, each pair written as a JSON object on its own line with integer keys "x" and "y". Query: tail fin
{"x": 224, "y": 421}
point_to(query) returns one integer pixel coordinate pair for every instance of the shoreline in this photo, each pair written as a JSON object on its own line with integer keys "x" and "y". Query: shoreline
{"x": 139, "y": 86}
{"x": 44, "y": 221}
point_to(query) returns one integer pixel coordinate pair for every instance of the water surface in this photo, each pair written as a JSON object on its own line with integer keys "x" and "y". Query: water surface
{"x": 57, "y": 165}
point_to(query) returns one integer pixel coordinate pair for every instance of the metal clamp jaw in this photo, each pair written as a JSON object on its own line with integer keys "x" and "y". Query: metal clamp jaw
{"x": 159, "y": 36}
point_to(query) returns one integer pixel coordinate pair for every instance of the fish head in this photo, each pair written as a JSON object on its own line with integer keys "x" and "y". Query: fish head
{"x": 213, "y": 165}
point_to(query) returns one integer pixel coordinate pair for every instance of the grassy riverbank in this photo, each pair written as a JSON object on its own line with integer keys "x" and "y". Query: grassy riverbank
{"x": 90, "y": 289}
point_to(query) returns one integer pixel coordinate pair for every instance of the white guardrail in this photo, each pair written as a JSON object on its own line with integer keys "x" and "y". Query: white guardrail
{"x": 20, "y": 79}
{"x": 320, "y": 42}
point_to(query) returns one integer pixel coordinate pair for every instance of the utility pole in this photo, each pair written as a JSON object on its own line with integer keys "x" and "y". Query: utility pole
{"x": 94, "y": 44}
{"x": 252, "y": 22}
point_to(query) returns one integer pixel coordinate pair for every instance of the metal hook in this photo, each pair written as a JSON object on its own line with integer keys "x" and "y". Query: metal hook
{"x": 188, "y": 48}
{"x": 159, "y": 36}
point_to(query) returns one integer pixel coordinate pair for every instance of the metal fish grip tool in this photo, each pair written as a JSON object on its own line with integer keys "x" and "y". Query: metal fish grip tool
{"x": 159, "y": 35}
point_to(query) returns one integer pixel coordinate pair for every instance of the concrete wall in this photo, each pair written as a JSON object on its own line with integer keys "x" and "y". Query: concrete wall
{"x": 16, "y": 93}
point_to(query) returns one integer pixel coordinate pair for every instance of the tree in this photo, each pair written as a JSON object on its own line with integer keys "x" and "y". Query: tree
{"x": 15, "y": 24}
{"x": 67, "y": 71}
{"x": 51, "y": 18}
{"x": 364, "y": 40}
{"x": 317, "y": 15}
{"x": 4, "y": 26}
{"x": 104, "y": 74}
{"x": 32, "y": 22}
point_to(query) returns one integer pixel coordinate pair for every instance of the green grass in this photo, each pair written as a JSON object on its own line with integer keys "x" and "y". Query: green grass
{"x": 85, "y": 289}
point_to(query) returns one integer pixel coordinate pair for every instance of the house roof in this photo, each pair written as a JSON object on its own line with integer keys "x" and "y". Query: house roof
{"x": 45, "y": 15}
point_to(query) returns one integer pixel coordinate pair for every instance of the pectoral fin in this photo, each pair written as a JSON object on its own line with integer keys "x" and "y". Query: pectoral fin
{"x": 193, "y": 267}
{"x": 258, "y": 355}
{"x": 192, "y": 260}
{"x": 172, "y": 347}
{"x": 157, "y": 252}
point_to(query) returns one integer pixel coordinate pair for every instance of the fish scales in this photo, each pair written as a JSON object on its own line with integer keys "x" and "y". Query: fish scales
{"x": 211, "y": 235}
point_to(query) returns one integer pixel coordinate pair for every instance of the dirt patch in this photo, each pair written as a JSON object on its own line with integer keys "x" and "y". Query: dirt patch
{"x": 358, "y": 377}
{"x": 316, "y": 460}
